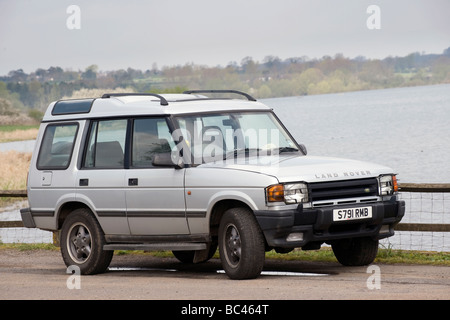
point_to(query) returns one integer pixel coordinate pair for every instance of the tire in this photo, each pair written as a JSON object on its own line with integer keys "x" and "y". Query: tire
{"x": 355, "y": 251}
{"x": 82, "y": 241}
{"x": 241, "y": 244}
{"x": 188, "y": 256}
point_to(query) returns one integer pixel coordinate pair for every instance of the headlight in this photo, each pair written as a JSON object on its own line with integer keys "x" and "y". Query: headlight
{"x": 290, "y": 193}
{"x": 387, "y": 185}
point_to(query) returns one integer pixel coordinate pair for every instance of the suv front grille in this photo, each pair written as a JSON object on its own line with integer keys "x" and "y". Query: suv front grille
{"x": 323, "y": 191}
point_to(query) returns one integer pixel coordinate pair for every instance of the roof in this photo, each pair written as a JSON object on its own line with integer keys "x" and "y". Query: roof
{"x": 111, "y": 105}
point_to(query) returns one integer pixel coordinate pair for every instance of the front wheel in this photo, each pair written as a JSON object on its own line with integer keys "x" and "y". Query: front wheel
{"x": 241, "y": 244}
{"x": 82, "y": 241}
{"x": 355, "y": 251}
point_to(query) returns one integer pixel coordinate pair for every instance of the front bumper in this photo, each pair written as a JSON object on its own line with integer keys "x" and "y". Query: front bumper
{"x": 300, "y": 227}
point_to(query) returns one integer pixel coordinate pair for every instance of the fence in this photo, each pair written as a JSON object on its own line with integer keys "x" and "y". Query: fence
{"x": 426, "y": 224}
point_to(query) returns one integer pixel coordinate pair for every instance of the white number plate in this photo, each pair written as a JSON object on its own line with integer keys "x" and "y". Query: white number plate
{"x": 352, "y": 213}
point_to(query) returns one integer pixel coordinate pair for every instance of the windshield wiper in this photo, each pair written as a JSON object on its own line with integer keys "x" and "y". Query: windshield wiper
{"x": 247, "y": 151}
{"x": 287, "y": 149}
{"x": 236, "y": 152}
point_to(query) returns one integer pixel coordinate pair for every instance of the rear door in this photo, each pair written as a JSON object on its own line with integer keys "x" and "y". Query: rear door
{"x": 101, "y": 179}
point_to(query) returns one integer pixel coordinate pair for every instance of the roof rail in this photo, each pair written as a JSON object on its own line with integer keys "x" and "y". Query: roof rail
{"x": 161, "y": 98}
{"x": 249, "y": 97}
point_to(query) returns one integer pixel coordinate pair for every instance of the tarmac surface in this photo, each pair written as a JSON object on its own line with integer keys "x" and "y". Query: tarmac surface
{"x": 42, "y": 275}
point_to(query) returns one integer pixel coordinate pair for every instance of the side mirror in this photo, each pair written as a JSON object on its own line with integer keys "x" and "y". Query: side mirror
{"x": 165, "y": 160}
{"x": 303, "y": 149}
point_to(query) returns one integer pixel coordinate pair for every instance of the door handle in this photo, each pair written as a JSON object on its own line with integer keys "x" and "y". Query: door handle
{"x": 84, "y": 182}
{"x": 133, "y": 181}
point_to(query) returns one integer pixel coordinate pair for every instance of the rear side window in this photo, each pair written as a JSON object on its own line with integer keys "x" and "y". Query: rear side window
{"x": 106, "y": 145}
{"x": 57, "y": 146}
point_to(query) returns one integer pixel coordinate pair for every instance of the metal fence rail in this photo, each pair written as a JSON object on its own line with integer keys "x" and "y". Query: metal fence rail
{"x": 428, "y": 210}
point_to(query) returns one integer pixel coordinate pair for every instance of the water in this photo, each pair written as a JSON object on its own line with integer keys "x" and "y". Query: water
{"x": 407, "y": 129}
{"x": 20, "y": 146}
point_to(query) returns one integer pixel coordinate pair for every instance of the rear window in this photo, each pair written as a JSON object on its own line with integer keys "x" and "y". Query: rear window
{"x": 57, "y": 146}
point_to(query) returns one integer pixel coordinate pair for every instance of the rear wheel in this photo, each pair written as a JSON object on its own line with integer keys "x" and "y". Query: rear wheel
{"x": 82, "y": 241}
{"x": 241, "y": 244}
{"x": 355, "y": 251}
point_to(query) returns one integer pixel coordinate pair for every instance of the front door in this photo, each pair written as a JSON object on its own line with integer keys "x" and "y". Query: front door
{"x": 154, "y": 195}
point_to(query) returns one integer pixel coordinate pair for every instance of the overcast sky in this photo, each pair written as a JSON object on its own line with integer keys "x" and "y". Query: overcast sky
{"x": 120, "y": 34}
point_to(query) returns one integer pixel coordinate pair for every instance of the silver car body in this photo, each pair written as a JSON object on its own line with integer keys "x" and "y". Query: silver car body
{"x": 169, "y": 201}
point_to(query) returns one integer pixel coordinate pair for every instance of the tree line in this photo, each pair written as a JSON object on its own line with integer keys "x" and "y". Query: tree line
{"x": 271, "y": 77}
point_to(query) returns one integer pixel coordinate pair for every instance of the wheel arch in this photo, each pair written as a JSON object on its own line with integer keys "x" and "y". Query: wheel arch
{"x": 218, "y": 211}
{"x": 66, "y": 209}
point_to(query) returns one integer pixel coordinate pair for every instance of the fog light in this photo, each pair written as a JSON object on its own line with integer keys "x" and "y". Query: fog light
{"x": 385, "y": 228}
{"x": 298, "y": 236}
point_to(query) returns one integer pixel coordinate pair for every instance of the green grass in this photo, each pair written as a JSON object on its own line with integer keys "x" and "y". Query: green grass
{"x": 28, "y": 246}
{"x": 385, "y": 255}
{"x": 10, "y": 128}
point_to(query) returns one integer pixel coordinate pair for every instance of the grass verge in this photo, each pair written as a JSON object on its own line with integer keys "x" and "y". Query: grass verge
{"x": 14, "y": 127}
{"x": 10, "y": 133}
{"x": 13, "y": 172}
{"x": 28, "y": 246}
{"x": 386, "y": 256}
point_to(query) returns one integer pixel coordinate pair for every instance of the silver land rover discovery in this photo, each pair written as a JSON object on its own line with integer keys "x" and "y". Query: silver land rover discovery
{"x": 190, "y": 173}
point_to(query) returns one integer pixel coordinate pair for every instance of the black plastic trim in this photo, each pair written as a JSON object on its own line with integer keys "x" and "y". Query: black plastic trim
{"x": 161, "y": 98}
{"x": 27, "y": 218}
{"x": 249, "y": 97}
{"x": 317, "y": 225}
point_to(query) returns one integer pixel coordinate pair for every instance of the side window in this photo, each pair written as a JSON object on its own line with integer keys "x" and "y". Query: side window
{"x": 150, "y": 136}
{"x": 57, "y": 146}
{"x": 209, "y": 136}
{"x": 106, "y": 144}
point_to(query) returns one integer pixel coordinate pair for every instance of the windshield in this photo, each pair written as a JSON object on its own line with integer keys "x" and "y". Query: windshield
{"x": 213, "y": 137}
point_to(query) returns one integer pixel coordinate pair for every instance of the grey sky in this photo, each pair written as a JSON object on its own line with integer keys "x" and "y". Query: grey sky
{"x": 120, "y": 34}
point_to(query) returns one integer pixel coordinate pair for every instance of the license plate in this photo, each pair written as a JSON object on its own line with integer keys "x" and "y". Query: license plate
{"x": 352, "y": 213}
